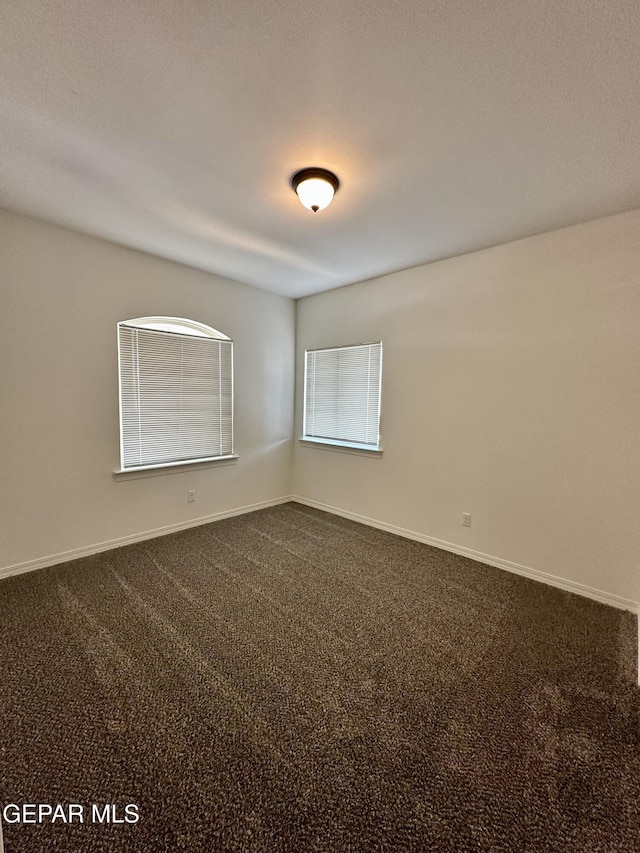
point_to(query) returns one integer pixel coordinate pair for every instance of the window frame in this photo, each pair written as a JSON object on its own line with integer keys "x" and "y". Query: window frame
{"x": 360, "y": 448}
{"x": 184, "y": 327}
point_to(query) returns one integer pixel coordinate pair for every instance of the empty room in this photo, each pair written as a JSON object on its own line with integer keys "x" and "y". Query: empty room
{"x": 319, "y": 407}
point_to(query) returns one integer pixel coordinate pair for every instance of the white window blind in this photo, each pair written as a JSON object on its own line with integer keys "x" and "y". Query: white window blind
{"x": 342, "y": 395}
{"x": 176, "y": 396}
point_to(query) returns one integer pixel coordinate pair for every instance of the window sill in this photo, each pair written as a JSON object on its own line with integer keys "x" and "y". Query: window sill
{"x": 172, "y": 468}
{"x": 341, "y": 447}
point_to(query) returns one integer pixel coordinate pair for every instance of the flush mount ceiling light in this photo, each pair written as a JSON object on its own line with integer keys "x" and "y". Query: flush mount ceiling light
{"x": 315, "y": 187}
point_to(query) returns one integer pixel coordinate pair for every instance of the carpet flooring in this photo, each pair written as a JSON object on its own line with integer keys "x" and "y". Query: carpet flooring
{"x": 289, "y": 681}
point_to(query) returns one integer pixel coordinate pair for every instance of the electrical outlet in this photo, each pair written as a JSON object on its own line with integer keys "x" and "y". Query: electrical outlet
{"x": 466, "y": 519}
{"x": 191, "y": 496}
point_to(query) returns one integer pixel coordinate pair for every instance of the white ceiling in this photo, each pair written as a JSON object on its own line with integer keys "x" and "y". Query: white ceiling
{"x": 173, "y": 126}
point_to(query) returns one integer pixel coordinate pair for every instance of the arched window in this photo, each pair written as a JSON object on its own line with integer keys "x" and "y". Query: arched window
{"x": 176, "y": 392}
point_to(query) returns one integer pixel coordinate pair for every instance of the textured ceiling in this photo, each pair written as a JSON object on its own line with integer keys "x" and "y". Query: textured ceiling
{"x": 174, "y": 127}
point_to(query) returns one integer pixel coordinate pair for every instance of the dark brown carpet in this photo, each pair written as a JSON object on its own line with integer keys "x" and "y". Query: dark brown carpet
{"x": 292, "y": 681}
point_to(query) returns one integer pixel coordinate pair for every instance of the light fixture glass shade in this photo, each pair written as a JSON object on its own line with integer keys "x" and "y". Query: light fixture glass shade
{"x": 315, "y": 193}
{"x": 315, "y": 188}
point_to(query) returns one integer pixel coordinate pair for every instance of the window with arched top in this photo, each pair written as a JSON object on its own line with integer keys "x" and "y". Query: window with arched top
{"x": 176, "y": 392}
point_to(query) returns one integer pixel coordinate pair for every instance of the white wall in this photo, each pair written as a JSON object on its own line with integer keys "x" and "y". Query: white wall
{"x": 511, "y": 390}
{"x": 61, "y": 296}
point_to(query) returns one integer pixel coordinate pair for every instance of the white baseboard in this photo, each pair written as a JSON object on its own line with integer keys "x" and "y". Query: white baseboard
{"x": 497, "y": 562}
{"x": 76, "y": 553}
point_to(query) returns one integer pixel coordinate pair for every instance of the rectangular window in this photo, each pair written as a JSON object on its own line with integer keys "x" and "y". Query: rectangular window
{"x": 176, "y": 397}
{"x": 342, "y": 396}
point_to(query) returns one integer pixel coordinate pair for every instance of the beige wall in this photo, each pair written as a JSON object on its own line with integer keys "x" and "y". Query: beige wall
{"x": 511, "y": 390}
{"x": 61, "y": 295}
